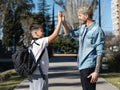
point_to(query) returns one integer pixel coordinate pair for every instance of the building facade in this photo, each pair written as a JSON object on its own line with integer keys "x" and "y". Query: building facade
{"x": 115, "y": 13}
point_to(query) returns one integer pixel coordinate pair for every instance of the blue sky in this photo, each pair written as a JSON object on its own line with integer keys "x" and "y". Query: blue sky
{"x": 106, "y": 22}
{"x": 49, "y": 2}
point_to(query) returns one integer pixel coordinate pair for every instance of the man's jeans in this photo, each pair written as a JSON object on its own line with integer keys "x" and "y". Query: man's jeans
{"x": 86, "y": 85}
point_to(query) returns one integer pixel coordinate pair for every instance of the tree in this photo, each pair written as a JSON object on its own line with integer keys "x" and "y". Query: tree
{"x": 63, "y": 45}
{"x": 70, "y": 9}
{"x": 52, "y": 22}
{"x": 13, "y": 11}
{"x": 43, "y": 7}
{"x": 42, "y": 17}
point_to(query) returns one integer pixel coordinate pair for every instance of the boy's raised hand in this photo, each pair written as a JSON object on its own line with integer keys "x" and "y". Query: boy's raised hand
{"x": 62, "y": 17}
{"x": 59, "y": 16}
{"x": 57, "y": 29}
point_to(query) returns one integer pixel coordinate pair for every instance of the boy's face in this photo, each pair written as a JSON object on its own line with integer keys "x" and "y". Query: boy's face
{"x": 38, "y": 33}
{"x": 82, "y": 18}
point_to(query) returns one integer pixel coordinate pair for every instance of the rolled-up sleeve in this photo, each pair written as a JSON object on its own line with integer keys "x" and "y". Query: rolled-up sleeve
{"x": 100, "y": 43}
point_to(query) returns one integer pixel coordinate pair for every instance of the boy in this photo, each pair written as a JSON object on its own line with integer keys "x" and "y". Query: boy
{"x": 41, "y": 42}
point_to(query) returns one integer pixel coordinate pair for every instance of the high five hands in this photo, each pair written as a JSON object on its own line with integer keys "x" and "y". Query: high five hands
{"x": 61, "y": 17}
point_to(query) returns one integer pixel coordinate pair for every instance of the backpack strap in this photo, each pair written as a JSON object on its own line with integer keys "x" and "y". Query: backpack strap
{"x": 40, "y": 69}
{"x": 37, "y": 63}
{"x": 34, "y": 41}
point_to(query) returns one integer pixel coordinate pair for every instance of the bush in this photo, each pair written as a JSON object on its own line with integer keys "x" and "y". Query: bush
{"x": 114, "y": 62}
{"x": 65, "y": 45}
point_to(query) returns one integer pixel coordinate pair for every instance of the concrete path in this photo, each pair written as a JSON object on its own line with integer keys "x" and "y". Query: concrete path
{"x": 63, "y": 75}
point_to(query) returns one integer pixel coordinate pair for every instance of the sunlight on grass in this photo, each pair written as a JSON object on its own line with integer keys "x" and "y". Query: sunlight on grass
{"x": 113, "y": 78}
{"x": 11, "y": 81}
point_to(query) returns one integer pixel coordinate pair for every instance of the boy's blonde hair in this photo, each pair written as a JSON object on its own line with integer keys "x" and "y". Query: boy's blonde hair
{"x": 86, "y": 9}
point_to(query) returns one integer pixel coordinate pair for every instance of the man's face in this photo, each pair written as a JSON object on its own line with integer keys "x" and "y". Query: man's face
{"x": 82, "y": 18}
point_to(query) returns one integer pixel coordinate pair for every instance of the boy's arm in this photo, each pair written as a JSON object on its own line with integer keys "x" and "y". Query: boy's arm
{"x": 56, "y": 31}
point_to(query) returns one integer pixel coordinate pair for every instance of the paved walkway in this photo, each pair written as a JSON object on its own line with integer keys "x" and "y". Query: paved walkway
{"x": 63, "y": 75}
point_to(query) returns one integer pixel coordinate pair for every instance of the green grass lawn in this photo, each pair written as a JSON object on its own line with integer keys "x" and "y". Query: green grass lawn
{"x": 113, "y": 78}
{"x": 9, "y": 79}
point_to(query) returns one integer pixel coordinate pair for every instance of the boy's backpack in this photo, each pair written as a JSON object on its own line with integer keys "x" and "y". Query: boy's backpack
{"x": 24, "y": 61}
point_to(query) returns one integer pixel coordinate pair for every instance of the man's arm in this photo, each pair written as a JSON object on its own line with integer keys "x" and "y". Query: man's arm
{"x": 95, "y": 74}
{"x": 65, "y": 27}
{"x": 98, "y": 63}
{"x": 64, "y": 24}
{"x": 67, "y": 31}
{"x": 100, "y": 50}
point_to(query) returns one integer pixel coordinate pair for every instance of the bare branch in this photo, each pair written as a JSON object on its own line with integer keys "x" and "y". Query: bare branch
{"x": 70, "y": 9}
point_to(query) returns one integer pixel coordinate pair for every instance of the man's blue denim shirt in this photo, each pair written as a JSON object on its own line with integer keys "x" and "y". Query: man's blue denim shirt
{"x": 90, "y": 45}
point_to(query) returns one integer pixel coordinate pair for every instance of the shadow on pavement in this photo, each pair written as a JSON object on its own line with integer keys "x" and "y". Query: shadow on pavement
{"x": 64, "y": 84}
{"x": 22, "y": 87}
{"x": 64, "y": 75}
{"x": 63, "y": 59}
{"x": 101, "y": 82}
{"x": 62, "y": 68}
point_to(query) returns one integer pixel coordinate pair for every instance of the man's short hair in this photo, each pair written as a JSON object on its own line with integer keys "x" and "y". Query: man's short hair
{"x": 86, "y": 9}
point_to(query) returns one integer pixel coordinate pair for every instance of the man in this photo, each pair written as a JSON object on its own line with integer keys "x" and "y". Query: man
{"x": 91, "y": 46}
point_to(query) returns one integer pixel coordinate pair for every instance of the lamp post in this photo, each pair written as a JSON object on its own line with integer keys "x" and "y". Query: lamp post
{"x": 47, "y": 28}
{"x": 99, "y": 13}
